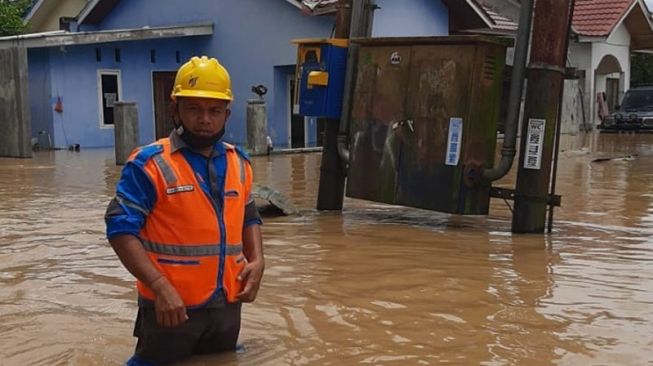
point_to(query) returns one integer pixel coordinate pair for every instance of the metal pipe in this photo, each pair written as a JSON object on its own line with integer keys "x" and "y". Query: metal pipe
{"x": 362, "y": 12}
{"x": 516, "y": 91}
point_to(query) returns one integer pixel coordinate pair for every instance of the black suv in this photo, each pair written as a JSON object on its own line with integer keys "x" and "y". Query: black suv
{"x": 634, "y": 114}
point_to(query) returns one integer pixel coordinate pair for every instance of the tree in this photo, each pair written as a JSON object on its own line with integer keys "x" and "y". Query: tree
{"x": 641, "y": 69}
{"x": 11, "y": 16}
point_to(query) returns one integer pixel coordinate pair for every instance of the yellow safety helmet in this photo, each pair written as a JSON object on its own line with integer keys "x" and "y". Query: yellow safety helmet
{"x": 203, "y": 78}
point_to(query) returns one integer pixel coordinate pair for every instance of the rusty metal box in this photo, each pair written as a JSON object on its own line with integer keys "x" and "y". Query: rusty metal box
{"x": 424, "y": 119}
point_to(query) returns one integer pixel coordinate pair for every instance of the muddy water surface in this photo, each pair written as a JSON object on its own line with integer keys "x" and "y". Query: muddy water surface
{"x": 375, "y": 285}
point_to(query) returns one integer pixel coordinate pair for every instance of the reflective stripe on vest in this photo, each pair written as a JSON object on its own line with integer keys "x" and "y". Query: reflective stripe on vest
{"x": 182, "y": 235}
{"x": 191, "y": 251}
{"x": 242, "y": 169}
{"x": 166, "y": 170}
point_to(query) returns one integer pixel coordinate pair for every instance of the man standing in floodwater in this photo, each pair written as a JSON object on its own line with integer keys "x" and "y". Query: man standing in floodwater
{"x": 184, "y": 224}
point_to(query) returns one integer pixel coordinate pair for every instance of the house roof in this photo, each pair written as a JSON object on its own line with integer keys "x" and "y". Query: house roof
{"x": 315, "y": 7}
{"x": 597, "y": 18}
{"x": 593, "y": 19}
{"x": 497, "y": 20}
{"x": 65, "y": 38}
{"x": 33, "y": 10}
{"x": 600, "y": 18}
{"x": 483, "y": 16}
{"x": 95, "y": 11}
{"x": 44, "y": 15}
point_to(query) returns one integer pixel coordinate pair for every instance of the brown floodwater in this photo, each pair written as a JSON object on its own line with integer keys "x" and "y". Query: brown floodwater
{"x": 375, "y": 285}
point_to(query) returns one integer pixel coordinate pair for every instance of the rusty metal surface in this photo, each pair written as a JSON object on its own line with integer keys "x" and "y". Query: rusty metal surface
{"x": 543, "y": 101}
{"x": 343, "y": 19}
{"x": 441, "y": 40}
{"x": 550, "y": 32}
{"x": 404, "y": 99}
{"x": 379, "y": 101}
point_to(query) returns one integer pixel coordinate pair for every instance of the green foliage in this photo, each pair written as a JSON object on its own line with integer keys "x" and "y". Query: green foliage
{"x": 641, "y": 69}
{"x": 11, "y": 16}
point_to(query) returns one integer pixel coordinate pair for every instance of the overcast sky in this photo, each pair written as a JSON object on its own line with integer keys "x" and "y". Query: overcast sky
{"x": 650, "y": 4}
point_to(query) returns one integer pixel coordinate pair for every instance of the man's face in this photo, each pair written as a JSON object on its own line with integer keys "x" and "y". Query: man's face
{"x": 203, "y": 116}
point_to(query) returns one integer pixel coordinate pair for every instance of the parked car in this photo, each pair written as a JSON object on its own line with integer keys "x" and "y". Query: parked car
{"x": 634, "y": 114}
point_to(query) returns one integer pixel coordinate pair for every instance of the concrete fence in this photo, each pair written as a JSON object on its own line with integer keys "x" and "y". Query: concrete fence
{"x": 125, "y": 130}
{"x": 15, "y": 122}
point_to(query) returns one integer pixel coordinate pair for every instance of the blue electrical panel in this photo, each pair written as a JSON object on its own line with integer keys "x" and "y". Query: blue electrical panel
{"x": 321, "y": 66}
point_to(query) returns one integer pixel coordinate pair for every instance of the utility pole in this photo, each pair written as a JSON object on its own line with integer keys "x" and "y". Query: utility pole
{"x": 546, "y": 76}
{"x": 353, "y": 19}
{"x": 331, "y": 190}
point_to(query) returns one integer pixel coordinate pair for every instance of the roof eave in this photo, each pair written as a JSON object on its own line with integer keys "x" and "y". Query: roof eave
{"x": 90, "y": 5}
{"x": 481, "y": 13}
{"x": 95, "y": 11}
{"x": 490, "y": 31}
{"x": 33, "y": 11}
{"x": 623, "y": 17}
{"x": 582, "y": 38}
{"x": 60, "y": 38}
{"x": 295, "y": 4}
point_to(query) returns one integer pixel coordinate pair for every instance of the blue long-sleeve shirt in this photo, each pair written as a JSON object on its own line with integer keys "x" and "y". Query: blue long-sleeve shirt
{"x": 136, "y": 196}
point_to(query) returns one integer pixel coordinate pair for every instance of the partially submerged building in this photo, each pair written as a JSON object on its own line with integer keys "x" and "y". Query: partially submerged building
{"x": 112, "y": 50}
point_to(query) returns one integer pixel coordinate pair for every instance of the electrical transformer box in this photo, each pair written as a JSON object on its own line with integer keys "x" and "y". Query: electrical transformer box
{"x": 321, "y": 66}
{"x": 424, "y": 121}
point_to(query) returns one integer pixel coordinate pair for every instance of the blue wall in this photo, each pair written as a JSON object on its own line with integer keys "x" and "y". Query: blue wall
{"x": 74, "y": 79}
{"x": 39, "y": 91}
{"x": 251, "y": 38}
{"x": 407, "y": 18}
{"x": 278, "y": 111}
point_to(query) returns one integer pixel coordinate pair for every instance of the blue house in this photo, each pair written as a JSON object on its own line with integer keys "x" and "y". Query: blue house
{"x": 129, "y": 51}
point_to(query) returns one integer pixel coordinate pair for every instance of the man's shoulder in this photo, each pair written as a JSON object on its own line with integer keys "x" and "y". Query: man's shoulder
{"x": 238, "y": 150}
{"x": 143, "y": 154}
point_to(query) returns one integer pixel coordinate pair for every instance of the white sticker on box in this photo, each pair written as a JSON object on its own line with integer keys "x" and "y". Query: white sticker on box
{"x": 454, "y": 141}
{"x": 534, "y": 144}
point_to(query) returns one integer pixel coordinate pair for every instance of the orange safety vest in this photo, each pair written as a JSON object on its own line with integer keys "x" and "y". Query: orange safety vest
{"x": 185, "y": 234}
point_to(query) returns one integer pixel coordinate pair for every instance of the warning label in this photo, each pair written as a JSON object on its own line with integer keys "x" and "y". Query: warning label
{"x": 534, "y": 144}
{"x": 455, "y": 138}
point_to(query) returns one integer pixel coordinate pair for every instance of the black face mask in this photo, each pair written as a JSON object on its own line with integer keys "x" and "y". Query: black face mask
{"x": 198, "y": 142}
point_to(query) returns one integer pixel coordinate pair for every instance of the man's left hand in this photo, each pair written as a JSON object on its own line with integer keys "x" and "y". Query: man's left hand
{"x": 251, "y": 277}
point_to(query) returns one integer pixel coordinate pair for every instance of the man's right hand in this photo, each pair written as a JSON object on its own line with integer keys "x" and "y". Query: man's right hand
{"x": 168, "y": 305}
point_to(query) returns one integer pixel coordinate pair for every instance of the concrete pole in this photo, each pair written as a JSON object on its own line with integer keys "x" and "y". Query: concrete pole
{"x": 257, "y": 127}
{"x": 125, "y": 117}
{"x": 354, "y": 19}
{"x": 15, "y": 138}
{"x": 543, "y": 102}
{"x": 331, "y": 191}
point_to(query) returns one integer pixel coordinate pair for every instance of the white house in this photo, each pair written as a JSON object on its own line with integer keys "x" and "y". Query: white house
{"x": 606, "y": 33}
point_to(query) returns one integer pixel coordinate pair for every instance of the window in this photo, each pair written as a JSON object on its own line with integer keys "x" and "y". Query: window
{"x": 109, "y": 93}
{"x": 117, "y": 54}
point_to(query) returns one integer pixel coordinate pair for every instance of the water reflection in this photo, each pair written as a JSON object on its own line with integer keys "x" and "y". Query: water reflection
{"x": 376, "y": 284}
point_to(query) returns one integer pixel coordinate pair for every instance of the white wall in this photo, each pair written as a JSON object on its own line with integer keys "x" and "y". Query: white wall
{"x": 587, "y": 56}
{"x": 617, "y": 45}
{"x": 573, "y": 117}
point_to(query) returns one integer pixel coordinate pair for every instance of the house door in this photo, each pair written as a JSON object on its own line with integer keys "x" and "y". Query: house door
{"x": 297, "y": 125}
{"x": 163, "y": 82}
{"x": 612, "y": 93}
